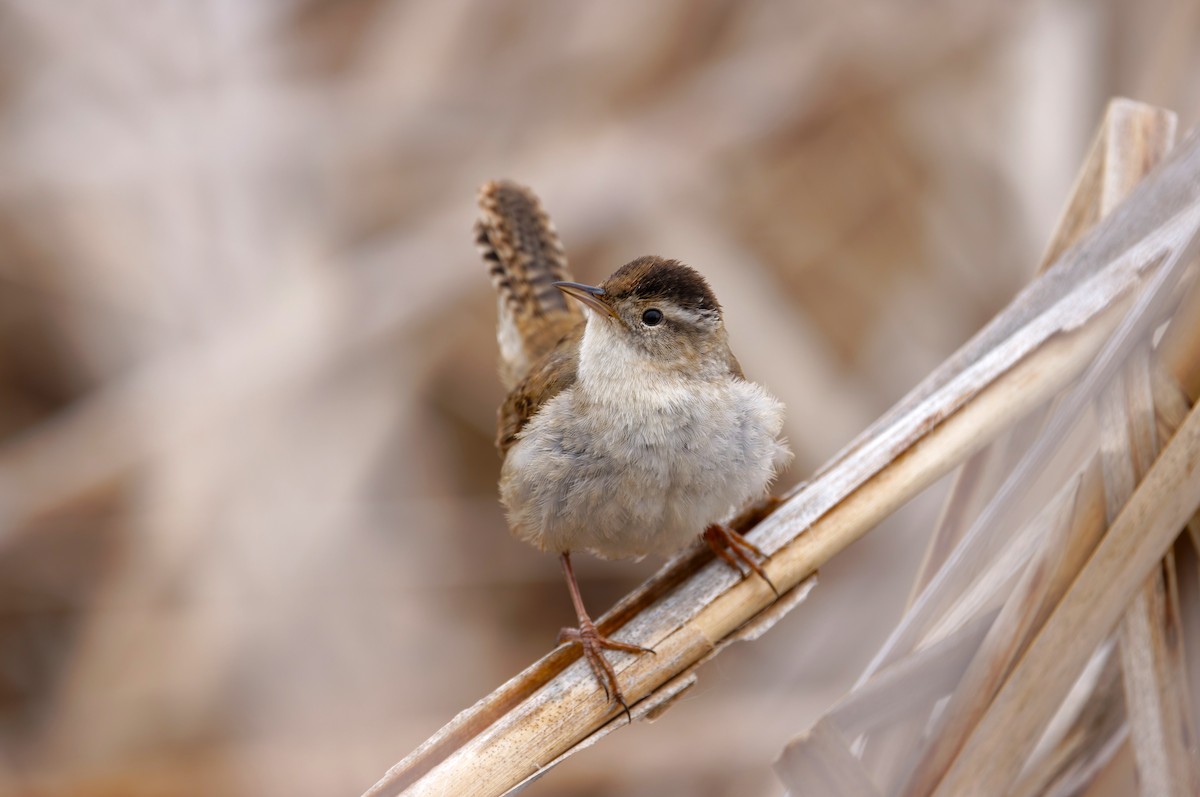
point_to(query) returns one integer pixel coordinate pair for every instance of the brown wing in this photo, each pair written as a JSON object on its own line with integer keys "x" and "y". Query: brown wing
{"x": 735, "y": 367}
{"x": 552, "y": 373}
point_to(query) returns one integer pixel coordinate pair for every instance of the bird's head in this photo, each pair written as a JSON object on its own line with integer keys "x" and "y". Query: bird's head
{"x": 659, "y": 307}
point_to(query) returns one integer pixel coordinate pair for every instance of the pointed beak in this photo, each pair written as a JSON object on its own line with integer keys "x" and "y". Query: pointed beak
{"x": 588, "y": 295}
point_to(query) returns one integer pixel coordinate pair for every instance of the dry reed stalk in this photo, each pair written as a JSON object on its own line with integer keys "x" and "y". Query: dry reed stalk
{"x": 1152, "y": 664}
{"x": 1101, "y": 726}
{"x": 1133, "y": 138}
{"x": 1087, "y": 746}
{"x": 1151, "y": 658}
{"x": 1155, "y": 684}
{"x": 1149, "y": 523}
{"x": 1049, "y": 334}
{"x": 1130, "y": 141}
{"x": 826, "y": 766}
{"x": 1040, "y": 588}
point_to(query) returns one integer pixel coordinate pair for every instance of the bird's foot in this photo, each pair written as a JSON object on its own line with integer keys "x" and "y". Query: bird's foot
{"x": 736, "y": 550}
{"x": 590, "y": 639}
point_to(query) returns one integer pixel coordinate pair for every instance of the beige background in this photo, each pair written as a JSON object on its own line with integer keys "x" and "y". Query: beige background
{"x": 249, "y": 540}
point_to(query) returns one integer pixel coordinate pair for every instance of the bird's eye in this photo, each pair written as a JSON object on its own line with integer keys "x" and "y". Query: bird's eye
{"x": 652, "y": 317}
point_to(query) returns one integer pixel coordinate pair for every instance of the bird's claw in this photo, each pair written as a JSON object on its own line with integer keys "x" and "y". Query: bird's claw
{"x": 736, "y": 550}
{"x": 593, "y": 643}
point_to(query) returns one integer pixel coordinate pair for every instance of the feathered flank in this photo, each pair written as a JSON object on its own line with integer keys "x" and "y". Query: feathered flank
{"x": 550, "y": 374}
{"x": 525, "y": 258}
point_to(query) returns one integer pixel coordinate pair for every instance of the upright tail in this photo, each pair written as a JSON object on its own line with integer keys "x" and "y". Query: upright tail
{"x": 525, "y": 258}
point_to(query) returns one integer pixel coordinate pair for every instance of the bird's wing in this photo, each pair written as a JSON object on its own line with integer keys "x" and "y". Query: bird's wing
{"x": 735, "y": 367}
{"x": 551, "y": 374}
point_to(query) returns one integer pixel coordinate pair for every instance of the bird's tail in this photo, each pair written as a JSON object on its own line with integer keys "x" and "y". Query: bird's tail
{"x": 525, "y": 258}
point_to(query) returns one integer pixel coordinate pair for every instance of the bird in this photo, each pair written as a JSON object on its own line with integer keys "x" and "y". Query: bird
{"x": 629, "y": 428}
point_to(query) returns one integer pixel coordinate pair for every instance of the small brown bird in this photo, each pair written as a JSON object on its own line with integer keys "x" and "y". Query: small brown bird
{"x": 625, "y": 433}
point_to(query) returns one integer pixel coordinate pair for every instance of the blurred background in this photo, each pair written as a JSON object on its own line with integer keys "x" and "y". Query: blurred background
{"x": 249, "y": 536}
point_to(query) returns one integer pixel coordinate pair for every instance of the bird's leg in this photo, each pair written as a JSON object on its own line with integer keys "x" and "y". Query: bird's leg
{"x": 735, "y": 550}
{"x": 589, "y": 638}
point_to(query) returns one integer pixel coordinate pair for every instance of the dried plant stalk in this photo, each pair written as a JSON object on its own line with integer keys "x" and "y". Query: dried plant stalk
{"x": 1155, "y": 682}
{"x": 826, "y": 766}
{"x": 1169, "y": 495}
{"x": 1086, "y": 747}
{"x": 1040, "y": 588}
{"x": 1132, "y": 140}
{"x": 1153, "y": 666}
{"x": 1156, "y": 691}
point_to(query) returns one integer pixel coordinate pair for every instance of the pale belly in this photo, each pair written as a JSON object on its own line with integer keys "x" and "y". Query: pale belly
{"x": 632, "y": 483}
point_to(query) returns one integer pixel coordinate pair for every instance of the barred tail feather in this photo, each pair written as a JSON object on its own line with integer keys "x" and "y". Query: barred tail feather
{"x": 525, "y": 258}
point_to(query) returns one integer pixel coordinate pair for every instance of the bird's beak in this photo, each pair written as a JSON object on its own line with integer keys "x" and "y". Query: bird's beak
{"x": 588, "y": 295}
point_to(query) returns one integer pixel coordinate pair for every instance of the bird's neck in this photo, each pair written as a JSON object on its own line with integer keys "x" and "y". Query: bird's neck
{"x": 614, "y": 370}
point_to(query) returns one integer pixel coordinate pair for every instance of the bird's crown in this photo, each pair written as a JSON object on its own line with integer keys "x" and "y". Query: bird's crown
{"x": 653, "y": 277}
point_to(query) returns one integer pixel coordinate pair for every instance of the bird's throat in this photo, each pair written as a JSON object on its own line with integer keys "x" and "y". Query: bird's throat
{"x": 615, "y": 371}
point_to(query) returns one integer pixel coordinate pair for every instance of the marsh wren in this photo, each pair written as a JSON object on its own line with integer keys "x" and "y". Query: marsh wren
{"x": 628, "y": 430}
